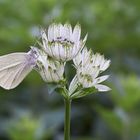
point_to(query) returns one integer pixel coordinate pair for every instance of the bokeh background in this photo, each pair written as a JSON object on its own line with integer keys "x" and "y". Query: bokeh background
{"x": 33, "y": 111}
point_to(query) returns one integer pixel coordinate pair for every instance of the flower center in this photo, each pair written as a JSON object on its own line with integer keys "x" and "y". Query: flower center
{"x": 87, "y": 77}
{"x": 63, "y": 41}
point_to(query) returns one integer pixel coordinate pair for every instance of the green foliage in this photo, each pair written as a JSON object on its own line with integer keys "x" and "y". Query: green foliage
{"x": 124, "y": 118}
{"x": 129, "y": 98}
{"x": 112, "y": 120}
{"x": 24, "y": 128}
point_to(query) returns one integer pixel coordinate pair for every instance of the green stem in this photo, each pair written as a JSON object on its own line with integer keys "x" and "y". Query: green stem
{"x": 67, "y": 119}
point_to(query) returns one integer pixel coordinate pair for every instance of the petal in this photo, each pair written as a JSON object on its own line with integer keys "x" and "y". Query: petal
{"x": 47, "y": 49}
{"x": 62, "y": 52}
{"x": 76, "y": 33}
{"x": 58, "y": 28}
{"x": 61, "y": 28}
{"x": 51, "y": 32}
{"x": 78, "y": 59}
{"x": 73, "y": 85}
{"x": 98, "y": 59}
{"x": 105, "y": 65}
{"x": 68, "y": 31}
{"x": 61, "y": 69}
{"x": 44, "y": 40}
{"x": 66, "y": 53}
{"x": 85, "y": 39}
{"x": 51, "y": 51}
{"x": 69, "y": 55}
{"x": 44, "y": 36}
{"x": 86, "y": 56}
{"x": 59, "y": 51}
{"x": 95, "y": 72}
{"x": 56, "y": 51}
{"x": 78, "y": 47}
{"x": 102, "y": 88}
{"x": 101, "y": 79}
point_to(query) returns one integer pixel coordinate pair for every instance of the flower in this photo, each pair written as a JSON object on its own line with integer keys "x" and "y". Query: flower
{"x": 61, "y": 42}
{"x": 89, "y": 66}
{"x": 49, "y": 69}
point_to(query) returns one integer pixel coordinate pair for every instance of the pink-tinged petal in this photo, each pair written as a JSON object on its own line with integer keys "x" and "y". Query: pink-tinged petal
{"x": 68, "y": 31}
{"x": 61, "y": 30}
{"x": 57, "y": 31}
{"x": 51, "y": 32}
{"x": 102, "y": 88}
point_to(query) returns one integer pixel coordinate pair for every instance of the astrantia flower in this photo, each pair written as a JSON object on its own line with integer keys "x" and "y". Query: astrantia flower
{"x": 49, "y": 69}
{"x": 89, "y": 67}
{"x": 61, "y": 42}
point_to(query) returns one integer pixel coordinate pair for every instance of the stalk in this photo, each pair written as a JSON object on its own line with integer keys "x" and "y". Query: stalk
{"x": 67, "y": 119}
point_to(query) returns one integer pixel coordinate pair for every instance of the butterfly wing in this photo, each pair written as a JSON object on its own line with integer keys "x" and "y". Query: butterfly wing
{"x": 10, "y": 60}
{"x": 13, "y": 69}
{"x": 22, "y": 73}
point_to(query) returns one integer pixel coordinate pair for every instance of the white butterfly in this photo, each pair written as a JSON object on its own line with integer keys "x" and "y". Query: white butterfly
{"x": 15, "y": 67}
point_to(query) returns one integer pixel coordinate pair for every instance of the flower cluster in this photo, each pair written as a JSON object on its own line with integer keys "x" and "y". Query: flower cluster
{"x": 62, "y": 43}
{"x": 59, "y": 44}
{"x": 89, "y": 66}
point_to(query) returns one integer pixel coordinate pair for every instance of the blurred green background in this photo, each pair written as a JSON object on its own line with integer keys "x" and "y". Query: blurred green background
{"x": 33, "y": 111}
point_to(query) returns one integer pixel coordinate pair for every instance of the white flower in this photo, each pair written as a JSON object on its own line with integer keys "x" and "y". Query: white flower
{"x": 61, "y": 42}
{"x": 89, "y": 66}
{"x": 49, "y": 69}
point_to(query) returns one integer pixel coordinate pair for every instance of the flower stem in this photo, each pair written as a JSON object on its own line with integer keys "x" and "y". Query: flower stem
{"x": 67, "y": 119}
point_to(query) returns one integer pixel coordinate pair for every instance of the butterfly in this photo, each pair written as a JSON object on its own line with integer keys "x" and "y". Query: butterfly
{"x": 15, "y": 67}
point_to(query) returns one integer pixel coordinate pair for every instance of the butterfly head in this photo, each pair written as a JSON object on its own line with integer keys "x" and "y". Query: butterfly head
{"x": 33, "y": 56}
